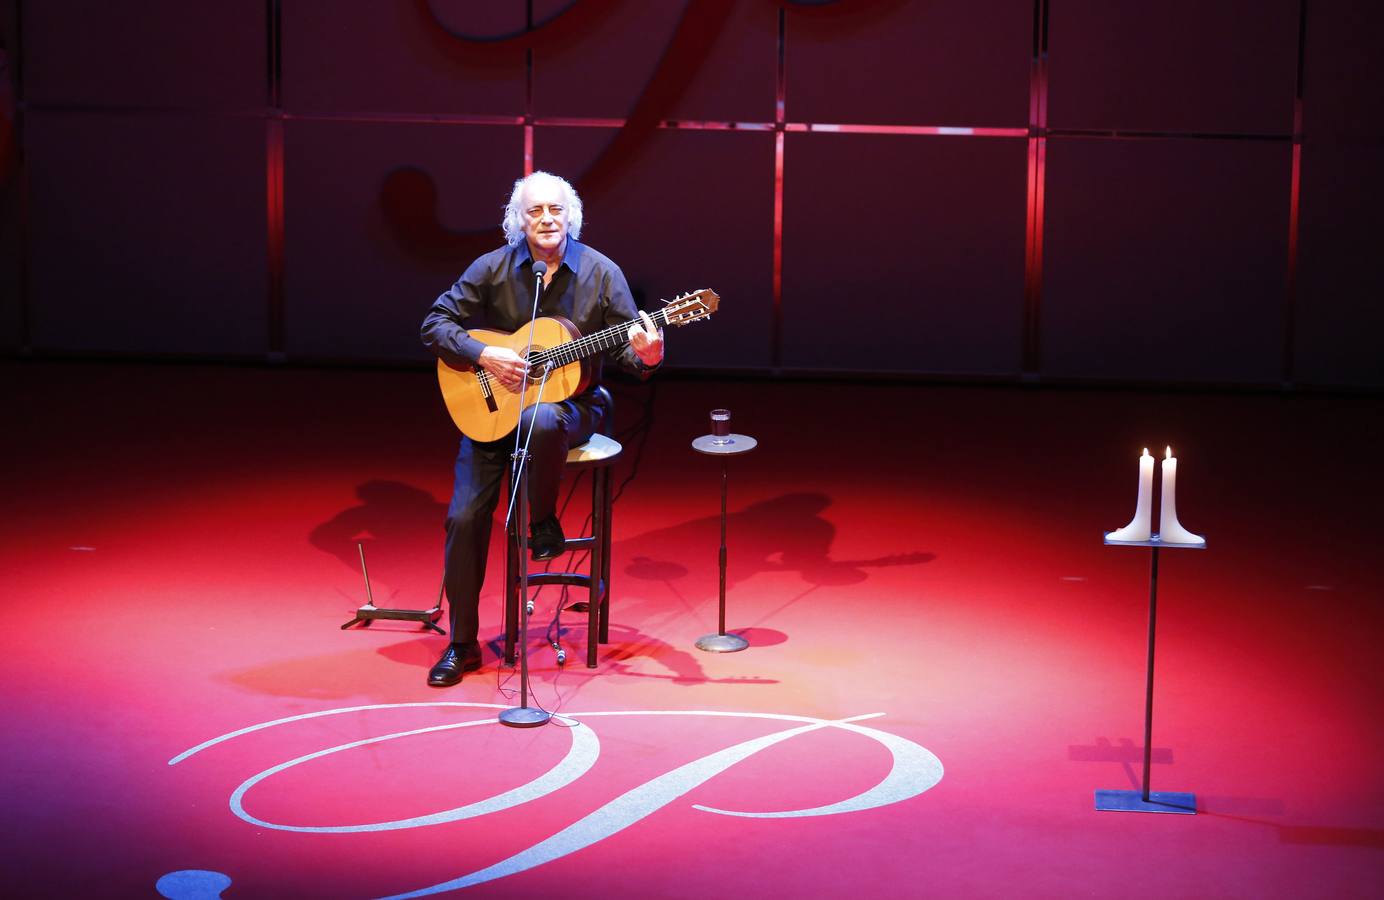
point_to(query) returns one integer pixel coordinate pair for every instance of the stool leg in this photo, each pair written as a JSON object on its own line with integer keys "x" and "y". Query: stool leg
{"x": 593, "y": 596}
{"x": 511, "y": 595}
{"x": 604, "y": 540}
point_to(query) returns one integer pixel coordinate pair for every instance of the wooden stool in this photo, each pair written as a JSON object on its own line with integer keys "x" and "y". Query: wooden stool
{"x": 599, "y": 455}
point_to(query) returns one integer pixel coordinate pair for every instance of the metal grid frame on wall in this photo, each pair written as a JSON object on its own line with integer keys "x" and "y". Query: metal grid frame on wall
{"x": 1037, "y": 134}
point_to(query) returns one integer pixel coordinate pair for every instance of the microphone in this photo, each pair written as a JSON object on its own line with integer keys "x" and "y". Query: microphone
{"x": 540, "y": 268}
{"x": 561, "y": 654}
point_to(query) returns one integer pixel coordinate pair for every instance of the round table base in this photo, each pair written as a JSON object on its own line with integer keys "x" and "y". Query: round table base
{"x": 722, "y": 643}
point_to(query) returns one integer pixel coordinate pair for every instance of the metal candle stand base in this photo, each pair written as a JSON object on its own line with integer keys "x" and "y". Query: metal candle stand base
{"x": 1176, "y": 802}
{"x": 724, "y": 446}
{"x": 1155, "y": 802}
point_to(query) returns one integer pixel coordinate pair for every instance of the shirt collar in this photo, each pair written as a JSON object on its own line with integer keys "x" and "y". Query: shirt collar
{"x": 571, "y": 256}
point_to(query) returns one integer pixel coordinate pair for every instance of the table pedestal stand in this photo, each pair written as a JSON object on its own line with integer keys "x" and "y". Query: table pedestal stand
{"x": 724, "y": 446}
{"x": 1178, "y": 802}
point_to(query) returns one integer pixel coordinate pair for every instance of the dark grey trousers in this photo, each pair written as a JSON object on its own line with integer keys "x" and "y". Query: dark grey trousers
{"x": 480, "y": 468}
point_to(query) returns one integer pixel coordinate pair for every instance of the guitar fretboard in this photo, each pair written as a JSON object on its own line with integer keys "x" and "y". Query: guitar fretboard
{"x": 605, "y": 339}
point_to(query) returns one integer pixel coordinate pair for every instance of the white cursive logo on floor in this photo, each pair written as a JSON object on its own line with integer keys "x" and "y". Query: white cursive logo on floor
{"x": 914, "y": 771}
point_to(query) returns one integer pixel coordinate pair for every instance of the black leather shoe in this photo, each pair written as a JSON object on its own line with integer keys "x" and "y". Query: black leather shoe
{"x": 455, "y": 660}
{"x": 546, "y": 540}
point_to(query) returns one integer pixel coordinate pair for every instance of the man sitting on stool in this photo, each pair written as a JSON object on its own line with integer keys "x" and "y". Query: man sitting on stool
{"x": 541, "y": 224}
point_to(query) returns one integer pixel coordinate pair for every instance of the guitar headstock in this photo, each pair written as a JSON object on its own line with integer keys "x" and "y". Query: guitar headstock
{"x": 691, "y": 307}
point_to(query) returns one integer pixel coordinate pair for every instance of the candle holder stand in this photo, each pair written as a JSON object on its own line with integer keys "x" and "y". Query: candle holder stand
{"x": 724, "y": 446}
{"x": 1178, "y": 802}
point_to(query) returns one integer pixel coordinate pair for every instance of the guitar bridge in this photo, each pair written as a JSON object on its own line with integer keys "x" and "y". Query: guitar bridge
{"x": 483, "y": 377}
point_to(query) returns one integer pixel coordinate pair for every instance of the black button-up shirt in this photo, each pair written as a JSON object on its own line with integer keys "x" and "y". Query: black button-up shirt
{"x": 496, "y": 292}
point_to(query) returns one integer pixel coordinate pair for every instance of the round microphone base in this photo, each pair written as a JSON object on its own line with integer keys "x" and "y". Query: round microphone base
{"x": 524, "y": 717}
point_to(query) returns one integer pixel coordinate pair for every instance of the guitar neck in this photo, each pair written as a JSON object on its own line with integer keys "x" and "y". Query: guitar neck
{"x": 605, "y": 339}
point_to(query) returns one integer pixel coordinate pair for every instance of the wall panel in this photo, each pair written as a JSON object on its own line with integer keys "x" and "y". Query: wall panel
{"x": 903, "y": 254}
{"x": 736, "y": 80}
{"x": 163, "y": 53}
{"x": 1178, "y": 65}
{"x": 693, "y": 209}
{"x": 11, "y": 261}
{"x": 356, "y": 283}
{"x": 147, "y": 234}
{"x": 1165, "y": 260}
{"x": 1339, "y": 321}
{"x": 403, "y": 57}
{"x": 604, "y": 70}
{"x": 722, "y": 61}
{"x": 910, "y": 62}
{"x": 1217, "y": 162}
{"x": 1339, "y": 314}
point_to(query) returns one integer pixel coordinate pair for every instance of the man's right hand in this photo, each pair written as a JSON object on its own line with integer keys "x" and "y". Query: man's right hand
{"x": 505, "y": 365}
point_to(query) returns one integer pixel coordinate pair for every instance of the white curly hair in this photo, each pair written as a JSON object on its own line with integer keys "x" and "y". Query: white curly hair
{"x": 513, "y": 222}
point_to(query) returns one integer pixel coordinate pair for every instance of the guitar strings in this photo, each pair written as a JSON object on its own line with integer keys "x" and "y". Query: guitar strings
{"x": 605, "y": 339}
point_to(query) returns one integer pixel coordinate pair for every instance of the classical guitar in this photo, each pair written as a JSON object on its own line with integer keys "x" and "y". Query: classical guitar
{"x": 486, "y": 410}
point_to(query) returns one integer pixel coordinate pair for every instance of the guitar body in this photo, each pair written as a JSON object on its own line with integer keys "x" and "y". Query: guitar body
{"x": 486, "y": 410}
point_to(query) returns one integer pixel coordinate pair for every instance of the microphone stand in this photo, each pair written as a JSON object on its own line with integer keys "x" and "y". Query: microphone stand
{"x": 523, "y": 715}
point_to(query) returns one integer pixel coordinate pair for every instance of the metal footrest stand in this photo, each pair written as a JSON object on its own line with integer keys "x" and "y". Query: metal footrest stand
{"x": 369, "y": 612}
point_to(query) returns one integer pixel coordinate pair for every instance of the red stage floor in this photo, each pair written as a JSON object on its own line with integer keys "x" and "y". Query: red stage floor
{"x": 945, "y": 662}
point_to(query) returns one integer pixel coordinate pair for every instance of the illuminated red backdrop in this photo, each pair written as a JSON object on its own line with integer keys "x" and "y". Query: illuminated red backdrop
{"x": 1013, "y": 189}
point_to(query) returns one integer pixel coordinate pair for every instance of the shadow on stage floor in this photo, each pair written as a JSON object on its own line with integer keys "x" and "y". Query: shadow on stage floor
{"x": 944, "y": 664}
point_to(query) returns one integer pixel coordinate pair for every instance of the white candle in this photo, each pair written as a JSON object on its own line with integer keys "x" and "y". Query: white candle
{"x": 1139, "y": 527}
{"x": 1170, "y": 530}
